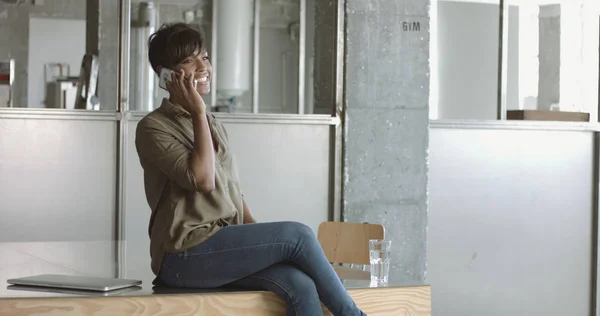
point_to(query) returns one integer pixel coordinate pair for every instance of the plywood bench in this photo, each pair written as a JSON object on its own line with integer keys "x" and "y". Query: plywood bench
{"x": 20, "y": 259}
{"x": 397, "y": 301}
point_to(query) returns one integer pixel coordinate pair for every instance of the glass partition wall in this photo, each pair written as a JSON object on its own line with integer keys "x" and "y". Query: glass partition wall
{"x": 54, "y": 55}
{"x": 65, "y": 55}
{"x": 515, "y": 59}
{"x": 488, "y": 58}
{"x": 550, "y": 60}
{"x": 262, "y": 53}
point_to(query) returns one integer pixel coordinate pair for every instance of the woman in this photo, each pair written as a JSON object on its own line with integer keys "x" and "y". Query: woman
{"x": 202, "y": 234}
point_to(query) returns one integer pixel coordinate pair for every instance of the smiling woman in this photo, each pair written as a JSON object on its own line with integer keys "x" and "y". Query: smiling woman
{"x": 202, "y": 234}
{"x": 189, "y": 57}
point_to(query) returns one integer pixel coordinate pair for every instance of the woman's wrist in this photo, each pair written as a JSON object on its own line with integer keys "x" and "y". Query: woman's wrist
{"x": 198, "y": 110}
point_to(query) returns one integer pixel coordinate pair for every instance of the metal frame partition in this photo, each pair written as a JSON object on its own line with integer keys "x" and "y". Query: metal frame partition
{"x": 501, "y": 122}
{"x": 124, "y": 114}
{"x": 502, "y": 70}
{"x": 502, "y": 60}
{"x": 595, "y": 288}
{"x": 331, "y": 98}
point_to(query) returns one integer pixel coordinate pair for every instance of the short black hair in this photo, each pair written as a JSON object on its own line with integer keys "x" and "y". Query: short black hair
{"x": 172, "y": 43}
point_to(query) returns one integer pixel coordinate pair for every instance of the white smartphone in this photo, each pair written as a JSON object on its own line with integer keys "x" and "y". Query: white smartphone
{"x": 166, "y": 75}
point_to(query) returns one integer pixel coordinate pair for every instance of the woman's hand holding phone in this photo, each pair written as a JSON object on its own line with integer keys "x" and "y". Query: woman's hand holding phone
{"x": 183, "y": 91}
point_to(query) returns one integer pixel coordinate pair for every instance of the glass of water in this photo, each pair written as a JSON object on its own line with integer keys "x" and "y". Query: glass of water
{"x": 379, "y": 253}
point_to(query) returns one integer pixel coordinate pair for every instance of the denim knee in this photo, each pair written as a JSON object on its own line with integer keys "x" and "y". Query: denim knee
{"x": 301, "y": 291}
{"x": 299, "y": 282}
{"x": 298, "y": 230}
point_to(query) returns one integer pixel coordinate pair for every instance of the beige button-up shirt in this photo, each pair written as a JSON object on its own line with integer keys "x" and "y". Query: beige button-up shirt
{"x": 182, "y": 216}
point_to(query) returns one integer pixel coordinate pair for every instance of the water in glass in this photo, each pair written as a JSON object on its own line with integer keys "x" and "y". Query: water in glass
{"x": 380, "y": 261}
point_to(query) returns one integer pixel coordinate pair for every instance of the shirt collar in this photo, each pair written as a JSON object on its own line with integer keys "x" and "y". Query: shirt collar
{"x": 172, "y": 109}
{"x": 177, "y": 110}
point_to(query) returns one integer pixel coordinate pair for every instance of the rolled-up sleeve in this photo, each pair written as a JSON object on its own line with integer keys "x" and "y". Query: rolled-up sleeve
{"x": 157, "y": 148}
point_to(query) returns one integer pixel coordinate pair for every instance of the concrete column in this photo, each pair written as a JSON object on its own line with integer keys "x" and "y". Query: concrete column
{"x": 572, "y": 71}
{"x": 387, "y": 125}
{"x": 324, "y": 56}
{"x": 102, "y": 38}
{"x": 563, "y": 64}
{"x": 549, "y": 56}
{"x": 92, "y": 26}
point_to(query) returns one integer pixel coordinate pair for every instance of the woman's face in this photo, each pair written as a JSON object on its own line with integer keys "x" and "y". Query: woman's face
{"x": 198, "y": 65}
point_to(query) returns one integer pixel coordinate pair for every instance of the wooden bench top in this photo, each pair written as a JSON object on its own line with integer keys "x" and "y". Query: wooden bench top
{"x": 98, "y": 258}
{"x": 396, "y": 301}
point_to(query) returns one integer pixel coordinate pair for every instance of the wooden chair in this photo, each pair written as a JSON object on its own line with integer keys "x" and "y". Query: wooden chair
{"x": 348, "y": 243}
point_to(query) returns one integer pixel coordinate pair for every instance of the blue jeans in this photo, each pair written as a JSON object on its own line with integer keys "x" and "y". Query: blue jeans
{"x": 282, "y": 257}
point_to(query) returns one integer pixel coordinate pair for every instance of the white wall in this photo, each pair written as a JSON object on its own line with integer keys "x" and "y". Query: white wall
{"x": 510, "y": 221}
{"x": 57, "y": 179}
{"x": 58, "y": 182}
{"x": 50, "y": 41}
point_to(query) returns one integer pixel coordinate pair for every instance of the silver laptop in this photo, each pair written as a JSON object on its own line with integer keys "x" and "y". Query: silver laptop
{"x": 48, "y": 291}
{"x": 75, "y": 282}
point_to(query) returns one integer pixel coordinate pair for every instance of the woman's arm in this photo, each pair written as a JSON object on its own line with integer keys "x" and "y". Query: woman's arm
{"x": 248, "y": 219}
{"x": 202, "y": 160}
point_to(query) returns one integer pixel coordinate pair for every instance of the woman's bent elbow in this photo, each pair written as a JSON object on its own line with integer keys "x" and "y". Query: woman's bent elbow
{"x": 204, "y": 181}
{"x": 206, "y": 186}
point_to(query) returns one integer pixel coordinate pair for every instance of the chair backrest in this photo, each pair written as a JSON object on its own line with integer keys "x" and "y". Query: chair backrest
{"x": 348, "y": 242}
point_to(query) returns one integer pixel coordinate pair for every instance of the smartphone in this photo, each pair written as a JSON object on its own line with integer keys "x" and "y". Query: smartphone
{"x": 166, "y": 75}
